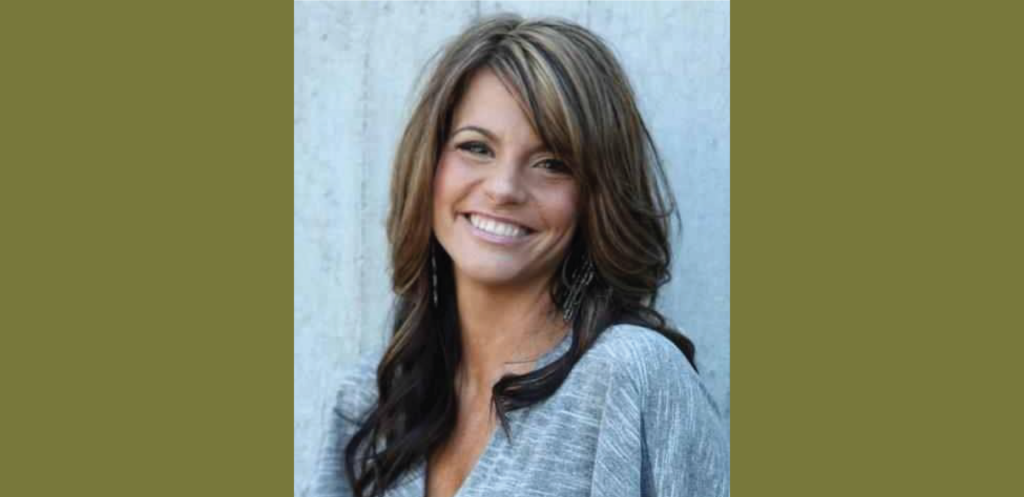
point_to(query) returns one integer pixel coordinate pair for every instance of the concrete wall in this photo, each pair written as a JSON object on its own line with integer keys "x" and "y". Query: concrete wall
{"x": 355, "y": 66}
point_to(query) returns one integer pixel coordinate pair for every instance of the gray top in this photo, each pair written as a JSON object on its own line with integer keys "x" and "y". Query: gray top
{"x": 631, "y": 419}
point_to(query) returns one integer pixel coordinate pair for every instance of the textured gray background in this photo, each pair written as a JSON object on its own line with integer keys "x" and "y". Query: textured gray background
{"x": 355, "y": 67}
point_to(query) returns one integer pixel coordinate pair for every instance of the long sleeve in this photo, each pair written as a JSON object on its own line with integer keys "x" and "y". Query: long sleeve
{"x": 685, "y": 451}
{"x": 330, "y": 476}
{"x": 658, "y": 432}
{"x": 355, "y": 396}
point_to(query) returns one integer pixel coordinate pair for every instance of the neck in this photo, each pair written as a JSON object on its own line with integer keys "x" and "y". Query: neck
{"x": 504, "y": 330}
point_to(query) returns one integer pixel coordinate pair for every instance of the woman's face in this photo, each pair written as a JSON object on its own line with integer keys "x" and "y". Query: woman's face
{"x": 504, "y": 208}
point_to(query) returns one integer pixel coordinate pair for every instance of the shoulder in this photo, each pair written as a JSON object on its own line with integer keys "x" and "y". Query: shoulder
{"x": 641, "y": 355}
{"x": 685, "y": 446}
{"x": 643, "y": 365}
{"x": 356, "y": 392}
{"x": 357, "y": 386}
{"x": 622, "y": 340}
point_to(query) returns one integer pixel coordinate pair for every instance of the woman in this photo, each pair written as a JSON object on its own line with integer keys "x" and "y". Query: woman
{"x": 529, "y": 237}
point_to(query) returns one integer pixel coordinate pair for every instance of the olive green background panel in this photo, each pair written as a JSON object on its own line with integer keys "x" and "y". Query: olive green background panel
{"x": 876, "y": 246}
{"x": 145, "y": 220}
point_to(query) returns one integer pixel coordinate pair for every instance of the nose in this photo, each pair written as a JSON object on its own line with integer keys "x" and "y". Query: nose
{"x": 506, "y": 185}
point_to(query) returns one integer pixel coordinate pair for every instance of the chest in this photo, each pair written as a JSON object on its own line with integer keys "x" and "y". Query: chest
{"x": 449, "y": 466}
{"x": 557, "y": 447}
{"x": 553, "y": 451}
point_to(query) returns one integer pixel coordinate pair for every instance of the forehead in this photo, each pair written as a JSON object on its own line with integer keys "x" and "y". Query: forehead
{"x": 487, "y": 103}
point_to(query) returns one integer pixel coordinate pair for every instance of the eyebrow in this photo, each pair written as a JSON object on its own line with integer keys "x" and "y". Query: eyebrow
{"x": 493, "y": 137}
{"x": 478, "y": 129}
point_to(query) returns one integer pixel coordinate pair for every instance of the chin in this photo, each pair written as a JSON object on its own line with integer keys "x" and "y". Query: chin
{"x": 493, "y": 274}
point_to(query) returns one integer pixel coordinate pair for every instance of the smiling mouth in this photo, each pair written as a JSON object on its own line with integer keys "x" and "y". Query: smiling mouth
{"x": 497, "y": 228}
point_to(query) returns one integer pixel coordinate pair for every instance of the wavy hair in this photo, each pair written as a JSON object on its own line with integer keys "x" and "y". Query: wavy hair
{"x": 581, "y": 104}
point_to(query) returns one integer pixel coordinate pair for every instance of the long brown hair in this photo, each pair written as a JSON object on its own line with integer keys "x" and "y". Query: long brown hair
{"x": 582, "y": 106}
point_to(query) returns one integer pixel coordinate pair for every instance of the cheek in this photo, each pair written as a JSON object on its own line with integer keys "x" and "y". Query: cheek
{"x": 438, "y": 188}
{"x": 446, "y": 187}
{"x": 561, "y": 208}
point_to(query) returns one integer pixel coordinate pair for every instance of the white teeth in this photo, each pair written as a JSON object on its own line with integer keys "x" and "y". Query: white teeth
{"x": 496, "y": 227}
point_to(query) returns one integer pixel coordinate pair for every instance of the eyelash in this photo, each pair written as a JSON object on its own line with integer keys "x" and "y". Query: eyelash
{"x": 478, "y": 148}
{"x": 474, "y": 148}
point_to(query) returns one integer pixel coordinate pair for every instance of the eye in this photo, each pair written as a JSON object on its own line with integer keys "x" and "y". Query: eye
{"x": 475, "y": 148}
{"x": 554, "y": 166}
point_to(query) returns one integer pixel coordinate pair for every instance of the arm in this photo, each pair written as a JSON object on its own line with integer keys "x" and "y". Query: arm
{"x": 685, "y": 451}
{"x": 356, "y": 395}
{"x": 330, "y": 480}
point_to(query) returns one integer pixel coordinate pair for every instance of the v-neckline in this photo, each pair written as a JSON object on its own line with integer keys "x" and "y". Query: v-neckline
{"x": 420, "y": 473}
{"x": 482, "y": 458}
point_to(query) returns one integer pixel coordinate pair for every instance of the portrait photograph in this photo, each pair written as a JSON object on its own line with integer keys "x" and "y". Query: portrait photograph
{"x": 511, "y": 248}
{"x": 501, "y": 263}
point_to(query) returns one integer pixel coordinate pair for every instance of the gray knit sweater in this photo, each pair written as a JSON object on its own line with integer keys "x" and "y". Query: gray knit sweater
{"x": 632, "y": 419}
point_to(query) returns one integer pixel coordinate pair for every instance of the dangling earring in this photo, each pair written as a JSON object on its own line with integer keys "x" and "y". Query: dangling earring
{"x": 580, "y": 279}
{"x": 433, "y": 273}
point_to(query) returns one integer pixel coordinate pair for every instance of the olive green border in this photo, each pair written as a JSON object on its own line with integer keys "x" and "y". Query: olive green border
{"x": 876, "y": 245}
{"x": 147, "y": 232}
{"x": 146, "y": 200}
